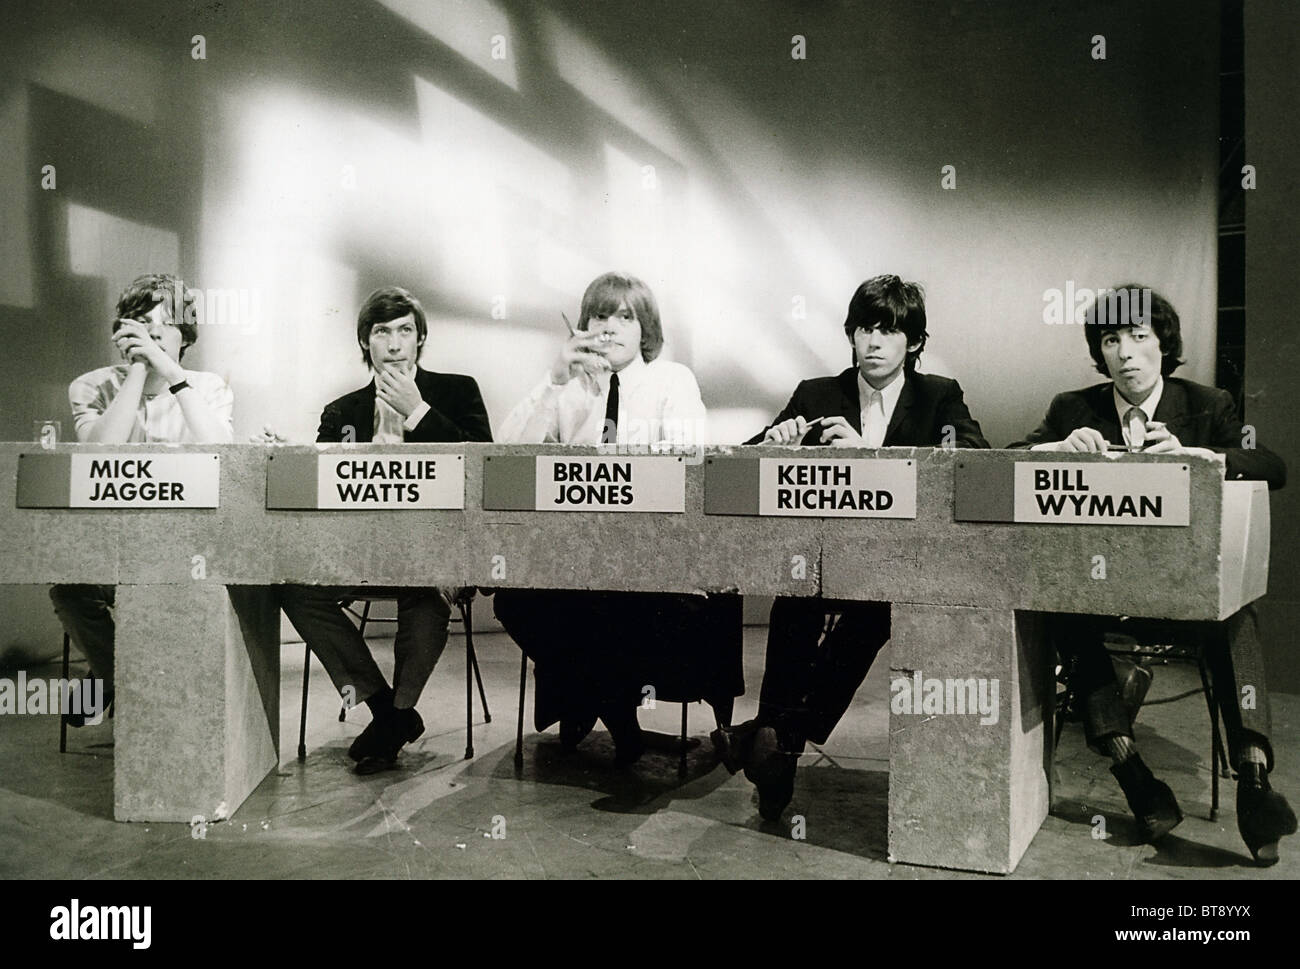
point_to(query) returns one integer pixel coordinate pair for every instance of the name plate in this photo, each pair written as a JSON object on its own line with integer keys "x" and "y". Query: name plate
{"x": 1102, "y": 494}
{"x": 157, "y": 480}
{"x": 811, "y": 487}
{"x": 390, "y": 481}
{"x": 365, "y": 482}
{"x": 644, "y": 483}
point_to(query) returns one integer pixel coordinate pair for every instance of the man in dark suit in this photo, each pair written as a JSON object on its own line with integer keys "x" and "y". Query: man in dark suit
{"x": 1145, "y": 408}
{"x": 402, "y": 404}
{"x": 879, "y": 402}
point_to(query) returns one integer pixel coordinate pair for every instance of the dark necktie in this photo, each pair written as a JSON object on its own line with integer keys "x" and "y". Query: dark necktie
{"x": 609, "y": 435}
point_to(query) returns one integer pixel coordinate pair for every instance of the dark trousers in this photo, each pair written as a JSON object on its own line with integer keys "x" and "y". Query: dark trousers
{"x": 86, "y": 612}
{"x": 601, "y": 654}
{"x": 1232, "y": 652}
{"x": 808, "y": 682}
{"x": 422, "y": 616}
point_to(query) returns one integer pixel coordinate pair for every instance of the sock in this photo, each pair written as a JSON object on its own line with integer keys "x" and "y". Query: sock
{"x": 1253, "y": 755}
{"x": 381, "y": 703}
{"x": 1120, "y": 748}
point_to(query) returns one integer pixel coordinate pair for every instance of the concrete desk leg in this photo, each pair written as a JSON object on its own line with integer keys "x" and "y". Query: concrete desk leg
{"x": 198, "y": 698}
{"x": 966, "y": 791}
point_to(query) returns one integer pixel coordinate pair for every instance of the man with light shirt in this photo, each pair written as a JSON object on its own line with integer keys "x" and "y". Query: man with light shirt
{"x": 1146, "y": 409}
{"x": 402, "y": 404}
{"x": 881, "y": 401}
{"x": 608, "y": 384}
{"x": 595, "y": 651}
{"x": 147, "y": 398}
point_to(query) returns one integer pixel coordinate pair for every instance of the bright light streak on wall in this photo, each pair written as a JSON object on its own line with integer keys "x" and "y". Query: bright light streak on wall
{"x": 472, "y": 28}
{"x": 478, "y": 169}
{"x": 610, "y": 86}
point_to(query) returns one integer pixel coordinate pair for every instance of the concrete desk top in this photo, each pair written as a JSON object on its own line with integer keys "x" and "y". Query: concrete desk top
{"x": 197, "y": 613}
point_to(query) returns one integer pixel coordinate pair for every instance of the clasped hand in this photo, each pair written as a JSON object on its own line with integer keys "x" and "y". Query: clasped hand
{"x": 136, "y": 346}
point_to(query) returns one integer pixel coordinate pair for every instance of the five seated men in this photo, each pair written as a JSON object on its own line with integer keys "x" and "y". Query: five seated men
{"x": 591, "y": 648}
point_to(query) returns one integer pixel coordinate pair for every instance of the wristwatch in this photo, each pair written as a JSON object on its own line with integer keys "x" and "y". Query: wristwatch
{"x": 177, "y": 388}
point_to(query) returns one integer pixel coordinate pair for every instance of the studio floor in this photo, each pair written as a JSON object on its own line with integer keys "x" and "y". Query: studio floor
{"x": 576, "y": 816}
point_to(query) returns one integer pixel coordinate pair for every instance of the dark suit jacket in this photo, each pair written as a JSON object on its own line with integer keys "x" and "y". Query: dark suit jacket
{"x": 456, "y": 412}
{"x": 926, "y": 405}
{"x": 1197, "y": 415}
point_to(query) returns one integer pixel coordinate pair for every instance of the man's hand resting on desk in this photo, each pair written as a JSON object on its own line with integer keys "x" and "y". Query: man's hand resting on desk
{"x": 267, "y": 435}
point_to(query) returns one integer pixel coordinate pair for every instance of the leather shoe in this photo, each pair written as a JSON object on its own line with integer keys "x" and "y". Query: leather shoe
{"x": 394, "y": 731}
{"x": 1263, "y": 815}
{"x": 1151, "y": 801}
{"x": 735, "y": 744}
{"x": 366, "y": 742}
{"x": 772, "y": 770}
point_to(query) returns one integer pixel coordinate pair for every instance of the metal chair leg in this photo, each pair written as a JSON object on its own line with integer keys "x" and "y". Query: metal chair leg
{"x": 681, "y": 763}
{"x": 482, "y": 695}
{"x": 306, "y": 686}
{"x": 519, "y": 732}
{"x": 1217, "y": 755}
{"x": 467, "y": 617}
{"x": 469, "y": 688}
{"x": 63, "y": 724}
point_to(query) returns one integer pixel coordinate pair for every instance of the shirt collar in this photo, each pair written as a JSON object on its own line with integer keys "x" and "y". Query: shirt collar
{"x": 633, "y": 373}
{"x": 1147, "y": 406}
{"x": 889, "y": 394}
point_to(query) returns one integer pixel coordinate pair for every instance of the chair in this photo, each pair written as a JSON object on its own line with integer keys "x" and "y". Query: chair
{"x": 464, "y": 603}
{"x": 1190, "y": 653}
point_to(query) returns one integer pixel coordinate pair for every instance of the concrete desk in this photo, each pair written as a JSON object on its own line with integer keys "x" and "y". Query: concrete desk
{"x": 197, "y": 619}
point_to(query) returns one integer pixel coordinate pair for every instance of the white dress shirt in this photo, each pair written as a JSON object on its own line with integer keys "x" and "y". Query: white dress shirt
{"x": 876, "y": 423}
{"x": 389, "y": 426}
{"x": 159, "y": 417}
{"x": 658, "y": 404}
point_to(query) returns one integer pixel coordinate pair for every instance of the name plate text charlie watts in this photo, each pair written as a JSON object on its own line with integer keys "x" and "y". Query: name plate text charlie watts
{"x": 393, "y": 481}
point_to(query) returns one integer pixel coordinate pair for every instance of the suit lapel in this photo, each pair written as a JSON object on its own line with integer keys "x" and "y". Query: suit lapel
{"x": 850, "y": 405}
{"x": 1172, "y": 410}
{"x": 1105, "y": 417}
{"x": 904, "y": 404}
{"x": 363, "y": 416}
